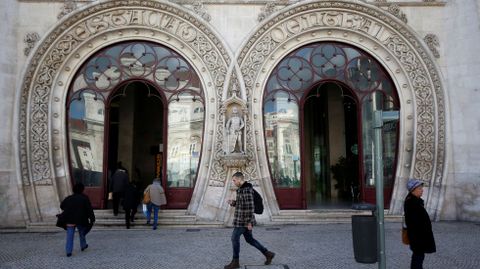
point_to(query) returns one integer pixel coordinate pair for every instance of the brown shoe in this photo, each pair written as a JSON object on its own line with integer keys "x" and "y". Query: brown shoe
{"x": 233, "y": 264}
{"x": 269, "y": 255}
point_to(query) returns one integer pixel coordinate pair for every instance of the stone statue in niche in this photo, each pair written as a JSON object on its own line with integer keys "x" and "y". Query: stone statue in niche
{"x": 234, "y": 131}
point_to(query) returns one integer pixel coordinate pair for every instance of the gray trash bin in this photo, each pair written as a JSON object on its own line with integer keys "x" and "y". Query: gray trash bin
{"x": 364, "y": 234}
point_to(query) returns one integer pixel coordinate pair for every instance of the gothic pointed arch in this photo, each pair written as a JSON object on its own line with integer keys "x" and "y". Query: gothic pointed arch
{"x": 399, "y": 50}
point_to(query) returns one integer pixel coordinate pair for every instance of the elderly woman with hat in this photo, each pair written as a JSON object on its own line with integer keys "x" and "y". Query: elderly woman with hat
{"x": 418, "y": 224}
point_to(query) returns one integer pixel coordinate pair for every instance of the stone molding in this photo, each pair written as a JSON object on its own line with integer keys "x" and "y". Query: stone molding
{"x": 388, "y": 39}
{"x": 30, "y": 41}
{"x": 42, "y": 131}
{"x": 201, "y": 11}
{"x": 267, "y": 10}
{"x": 432, "y": 42}
{"x": 397, "y": 12}
{"x": 68, "y": 7}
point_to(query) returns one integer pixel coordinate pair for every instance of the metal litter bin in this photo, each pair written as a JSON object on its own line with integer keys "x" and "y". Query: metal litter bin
{"x": 364, "y": 234}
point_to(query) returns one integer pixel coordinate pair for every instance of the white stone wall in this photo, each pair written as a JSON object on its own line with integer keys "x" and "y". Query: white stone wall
{"x": 11, "y": 204}
{"x": 234, "y": 22}
{"x": 460, "y": 41}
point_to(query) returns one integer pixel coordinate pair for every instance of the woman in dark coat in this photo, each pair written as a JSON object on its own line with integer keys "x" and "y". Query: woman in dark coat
{"x": 77, "y": 213}
{"x": 131, "y": 201}
{"x": 418, "y": 224}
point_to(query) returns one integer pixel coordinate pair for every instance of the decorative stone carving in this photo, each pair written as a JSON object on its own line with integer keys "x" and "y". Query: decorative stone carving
{"x": 432, "y": 43}
{"x": 251, "y": 149}
{"x": 428, "y": 161}
{"x": 234, "y": 89}
{"x": 110, "y": 18}
{"x": 30, "y": 40}
{"x": 425, "y": 111}
{"x": 235, "y": 161}
{"x": 267, "y": 10}
{"x": 68, "y": 6}
{"x": 234, "y": 131}
{"x": 200, "y": 10}
{"x": 93, "y": 22}
{"x": 397, "y": 12}
{"x": 235, "y": 110}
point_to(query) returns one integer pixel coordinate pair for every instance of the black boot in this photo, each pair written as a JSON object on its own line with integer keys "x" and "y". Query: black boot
{"x": 233, "y": 264}
{"x": 269, "y": 255}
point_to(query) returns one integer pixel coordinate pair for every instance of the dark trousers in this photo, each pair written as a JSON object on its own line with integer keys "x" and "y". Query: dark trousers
{"x": 132, "y": 214}
{"x": 417, "y": 261}
{"x": 128, "y": 217}
{"x": 116, "y": 196}
{"x": 237, "y": 232}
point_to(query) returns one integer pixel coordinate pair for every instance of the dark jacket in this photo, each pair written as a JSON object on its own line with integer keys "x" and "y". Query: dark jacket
{"x": 78, "y": 210}
{"x": 244, "y": 206}
{"x": 119, "y": 181}
{"x": 132, "y": 196}
{"x": 419, "y": 226}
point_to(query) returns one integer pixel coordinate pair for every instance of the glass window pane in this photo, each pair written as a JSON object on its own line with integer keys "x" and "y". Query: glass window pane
{"x": 185, "y": 127}
{"x": 86, "y": 135}
{"x": 374, "y": 102}
{"x": 283, "y": 140}
{"x": 367, "y": 139}
{"x": 389, "y": 152}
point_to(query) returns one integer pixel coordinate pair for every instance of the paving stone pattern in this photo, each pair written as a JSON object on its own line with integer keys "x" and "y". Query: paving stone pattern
{"x": 297, "y": 246}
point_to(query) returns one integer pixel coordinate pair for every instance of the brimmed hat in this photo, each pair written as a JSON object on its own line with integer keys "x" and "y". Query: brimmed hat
{"x": 413, "y": 183}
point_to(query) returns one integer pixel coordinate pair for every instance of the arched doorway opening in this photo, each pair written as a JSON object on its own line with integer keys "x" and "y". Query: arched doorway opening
{"x": 141, "y": 104}
{"x": 136, "y": 117}
{"x": 318, "y": 106}
{"x": 330, "y": 138}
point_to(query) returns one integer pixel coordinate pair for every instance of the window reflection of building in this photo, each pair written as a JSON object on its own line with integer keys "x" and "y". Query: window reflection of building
{"x": 282, "y": 138}
{"x": 86, "y": 139}
{"x": 111, "y": 71}
{"x": 185, "y": 127}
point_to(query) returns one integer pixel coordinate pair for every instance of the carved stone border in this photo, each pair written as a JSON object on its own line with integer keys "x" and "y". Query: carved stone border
{"x": 43, "y": 147}
{"x": 401, "y": 51}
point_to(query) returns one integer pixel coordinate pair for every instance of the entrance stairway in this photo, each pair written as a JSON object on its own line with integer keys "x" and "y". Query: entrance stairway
{"x": 171, "y": 217}
{"x": 179, "y": 218}
{"x": 106, "y": 220}
{"x": 324, "y": 216}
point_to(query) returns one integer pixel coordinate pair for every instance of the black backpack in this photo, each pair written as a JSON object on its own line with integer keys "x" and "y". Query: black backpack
{"x": 258, "y": 202}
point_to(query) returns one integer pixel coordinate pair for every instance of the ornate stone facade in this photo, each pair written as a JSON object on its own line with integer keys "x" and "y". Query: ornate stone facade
{"x": 232, "y": 77}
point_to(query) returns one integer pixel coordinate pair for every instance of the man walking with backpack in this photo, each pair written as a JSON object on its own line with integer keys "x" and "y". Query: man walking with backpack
{"x": 244, "y": 220}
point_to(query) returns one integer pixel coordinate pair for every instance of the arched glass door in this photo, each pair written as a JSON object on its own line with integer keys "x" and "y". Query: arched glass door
{"x": 318, "y": 101}
{"x": 132, "y": 102}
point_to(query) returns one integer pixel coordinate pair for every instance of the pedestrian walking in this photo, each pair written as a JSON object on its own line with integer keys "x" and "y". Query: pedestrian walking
{"x": 157, "y": 199}
{"x": 119, "y": 183}
{"x": 243, "y": 221}
{"x": 419, "y": 226}
{"x": 78, "y": 214}
{"x": 131, "y": 201}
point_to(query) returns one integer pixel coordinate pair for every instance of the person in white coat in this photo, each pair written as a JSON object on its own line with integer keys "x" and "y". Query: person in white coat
{"x": 157, "y": 198}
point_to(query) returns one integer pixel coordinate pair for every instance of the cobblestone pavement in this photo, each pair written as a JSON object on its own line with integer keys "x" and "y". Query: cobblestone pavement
{"x": 297, "y": 246}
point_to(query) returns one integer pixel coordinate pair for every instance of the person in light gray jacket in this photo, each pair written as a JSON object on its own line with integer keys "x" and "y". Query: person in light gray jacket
{"x": 157, "y": 198}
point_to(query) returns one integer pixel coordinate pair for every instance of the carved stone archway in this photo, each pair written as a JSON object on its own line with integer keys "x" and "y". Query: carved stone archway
{"x": 397, "y": 47}
{"x": 41, "y": 131}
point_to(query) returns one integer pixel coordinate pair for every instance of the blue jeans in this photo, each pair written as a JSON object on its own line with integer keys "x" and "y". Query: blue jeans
{"x": 155, "y": 208}
{"x": 237, "y": 232}
{"x": 71, "y": 235}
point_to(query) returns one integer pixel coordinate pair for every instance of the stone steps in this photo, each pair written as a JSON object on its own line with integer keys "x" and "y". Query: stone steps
{"x": 324, "y": 216}
{"x": 106, "y": 220}
{"x": 179, "y": 218}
